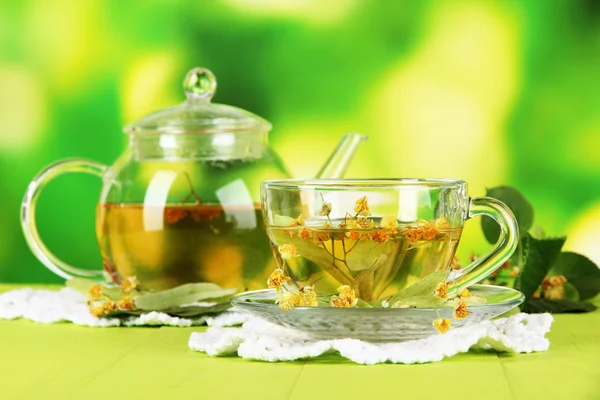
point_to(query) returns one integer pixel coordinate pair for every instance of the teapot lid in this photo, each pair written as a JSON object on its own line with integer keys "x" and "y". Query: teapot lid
{"x": 198, "y": 114}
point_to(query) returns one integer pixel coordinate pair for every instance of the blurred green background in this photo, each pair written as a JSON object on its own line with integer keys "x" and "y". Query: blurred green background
{"x": 493, "y": 92}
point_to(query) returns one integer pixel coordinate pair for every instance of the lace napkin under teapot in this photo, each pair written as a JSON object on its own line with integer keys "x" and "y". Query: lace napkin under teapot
{"x": 262, "y": 340}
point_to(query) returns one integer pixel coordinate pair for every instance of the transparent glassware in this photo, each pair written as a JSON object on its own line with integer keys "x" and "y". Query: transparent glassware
{"x": 181, "y": 204}
{"x": 377, "y": 236}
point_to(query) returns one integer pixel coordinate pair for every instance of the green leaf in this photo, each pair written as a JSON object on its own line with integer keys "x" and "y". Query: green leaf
{"x": 557, "y": 306}
{"x": 184, "y": 294}
{"x": 366, "y": 253}
{"x": 541, "y": 255}
{"x": 420, "y": 293}
{"x": 363, "y": 304}
{"x": 182, "y": 312}
{"x": 519, "y": 205}
{"x": 580, "y": 271}
{"x": 571, "y": 292}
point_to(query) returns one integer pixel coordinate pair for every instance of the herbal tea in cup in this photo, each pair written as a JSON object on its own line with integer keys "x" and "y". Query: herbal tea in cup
{"x": 367, "y": 240}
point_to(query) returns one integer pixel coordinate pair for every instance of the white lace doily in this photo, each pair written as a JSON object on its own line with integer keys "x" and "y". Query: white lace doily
{"x": 48, "y": 306}
{"x": 261, "y": 340}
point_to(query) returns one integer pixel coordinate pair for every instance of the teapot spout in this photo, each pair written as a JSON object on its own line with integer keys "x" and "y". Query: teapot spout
{"x": 338, "y": 161}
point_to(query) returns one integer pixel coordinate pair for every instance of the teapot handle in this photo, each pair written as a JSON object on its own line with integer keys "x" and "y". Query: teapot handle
{"x": 29, "y": 226}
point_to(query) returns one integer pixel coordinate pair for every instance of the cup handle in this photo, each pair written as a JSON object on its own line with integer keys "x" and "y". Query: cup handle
{"x": 29, "y": 226}
{"x": 502, "y": 250}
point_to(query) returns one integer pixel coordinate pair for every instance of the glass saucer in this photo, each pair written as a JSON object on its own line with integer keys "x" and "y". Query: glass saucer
{"x": 379, "y": 324}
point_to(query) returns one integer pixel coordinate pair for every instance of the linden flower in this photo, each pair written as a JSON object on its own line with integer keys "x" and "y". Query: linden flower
{"x": 413, "y": 234}
{"x": 288, "y": 301}
{"x": 276, "y": 279}
{"x": 97, "y": 310}
{"x": 287, "y": 251}
{"x": 95, "y": 291}
{"x": 465, "y": 294}
{"x": 304, "y": 234}
{"x": 441, "y": 290}
{"x": 361, "y": 207}
{"x": 442, "y": 223}
{"x": 308, "y": 297}
{"x": 325, "y": 209}
{"x": 442, "y": 325}
{"x": 389, "y": 222}
{"x": 460, "y": 310}
{"x": 129, "y": 284}
{"x": 346, "y": 299}
{"x": 298, "y": 221}
{"x": 126, "y": 304}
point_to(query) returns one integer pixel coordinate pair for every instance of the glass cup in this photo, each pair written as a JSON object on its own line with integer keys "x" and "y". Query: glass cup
{"x": 377, "y": 235}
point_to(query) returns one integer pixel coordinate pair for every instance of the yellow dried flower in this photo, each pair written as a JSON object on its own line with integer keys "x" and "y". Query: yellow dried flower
{"x": 126, "y": 304}
{"x": 325, "y": 209}
{"x": 110, "y": 306}
{"x": 362, "y": 207}
{"x": 346, "y": 299}
{"x": 389, "y": 221}
{"x": 129, "y": 284}
{"x": 465, "y": 294}
{"x": 555, "y": 293}
{"x": 308, "y": 297}
{"x": 413, "y": 234}
{"x": 276, "y": 279}
{"x": 441, "y": 290}
{"x": 442, "y": 223}
{"x": 288, "y": 301}
{"x": 96, "y": 291}
{"x": 304, "y": 234}
{"x": 455, "y": 264}
{"x": 97, "y": 310}
{"x": 287, "y": 251}
{"x": 298, "y": 221}
{"x": 460, "y": 310}
{"x": 442, "y": 325}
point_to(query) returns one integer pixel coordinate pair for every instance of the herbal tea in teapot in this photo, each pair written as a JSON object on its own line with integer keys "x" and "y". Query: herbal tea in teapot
{"x": 180, "y": 204}
{"x": 198, "y": 243}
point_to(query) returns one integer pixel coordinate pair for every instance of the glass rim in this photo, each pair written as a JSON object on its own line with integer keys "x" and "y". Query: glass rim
{"x": 366, "y": 183}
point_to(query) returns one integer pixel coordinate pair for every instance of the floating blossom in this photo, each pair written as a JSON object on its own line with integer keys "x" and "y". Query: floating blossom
{"x": 288, "y": 301}
{"x": 441, "y": 290}
{"x": 442, "y": 325}
{"x": 298, "y": 221}
{"x": 308, "y": 297}
{"x": 325, "y": 209}
{"x": 442, "y": 223}
{"x": 361, "y": 207}
{"x": 346, "y": 299}
{"x": 304, "y": 233}
{"x": 460, "y": 310}
{"x": 287, "y": 251}
{"x": 276, "y": 279}
{"x": 389, "y": 221}
{"x": 129, "y": 284}
{"x": 95, "y": 291}
{"x": 352, "y": 225}
{"x": 413, "y": 234}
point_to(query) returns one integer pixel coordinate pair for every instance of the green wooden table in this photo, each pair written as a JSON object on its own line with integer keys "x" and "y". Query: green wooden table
{"x": 63, "y": 361}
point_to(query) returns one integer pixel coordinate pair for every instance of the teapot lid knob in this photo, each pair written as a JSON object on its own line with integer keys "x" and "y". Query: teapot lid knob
{"x": 199, "y": 84}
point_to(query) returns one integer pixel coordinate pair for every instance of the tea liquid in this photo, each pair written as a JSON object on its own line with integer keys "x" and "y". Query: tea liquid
{"x": 374, "y": 268}
{"x": 180, "y": 243}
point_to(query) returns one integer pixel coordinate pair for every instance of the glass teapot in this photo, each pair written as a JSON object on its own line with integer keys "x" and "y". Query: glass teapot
{"x": 182, "y": 204}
